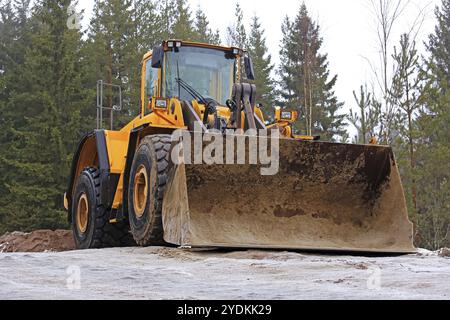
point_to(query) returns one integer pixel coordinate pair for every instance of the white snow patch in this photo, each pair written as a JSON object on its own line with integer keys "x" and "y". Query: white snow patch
{"x": 427, "y": 253}
{"x": 165, "y": 273}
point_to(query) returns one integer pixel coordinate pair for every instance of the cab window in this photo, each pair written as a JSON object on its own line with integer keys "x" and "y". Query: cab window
{"x": 151, "y": 82}
{"x": 209, "y": 72}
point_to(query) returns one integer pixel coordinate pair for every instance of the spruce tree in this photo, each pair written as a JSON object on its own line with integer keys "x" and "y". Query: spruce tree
{"x": 262, "y": 63}
{"x": 167, "y": 12}
{"x": 306, "y": 83}
{"x": 183, "y": 26}
{"x": 236, "y": 33}
{"x": 147, "y": 25}
{"x": 236, "y": 36}
{"x": 114, "y": 55}
{"x": 46, "y": 126}
{"x": 433, "y": 146}
{"x": 14, "y": 38}
{"x": 203, "y": 30}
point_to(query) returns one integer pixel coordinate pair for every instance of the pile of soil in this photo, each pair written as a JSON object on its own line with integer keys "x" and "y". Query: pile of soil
{"x": 37, "y": 241}
{"x": 444, "y": 252}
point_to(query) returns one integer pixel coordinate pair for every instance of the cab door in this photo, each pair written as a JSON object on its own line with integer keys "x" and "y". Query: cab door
{"x": 150, "y": 85}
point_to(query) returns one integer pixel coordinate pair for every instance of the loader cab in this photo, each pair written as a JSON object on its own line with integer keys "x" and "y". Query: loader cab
{"x": 209, "y": 70}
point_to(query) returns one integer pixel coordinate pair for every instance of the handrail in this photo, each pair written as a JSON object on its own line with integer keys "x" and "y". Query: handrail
{"x": 100, "y": 85}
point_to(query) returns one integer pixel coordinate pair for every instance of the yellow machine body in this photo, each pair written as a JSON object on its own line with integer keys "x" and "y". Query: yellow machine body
{"x": 326, "y": 196}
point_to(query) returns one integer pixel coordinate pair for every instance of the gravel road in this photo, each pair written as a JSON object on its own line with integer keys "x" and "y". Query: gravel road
{"x": 168, "y": 273}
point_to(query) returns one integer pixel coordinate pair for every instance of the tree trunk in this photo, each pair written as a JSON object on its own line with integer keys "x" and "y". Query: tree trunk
{"x": 310, "y": 104}
{"x": 411, "y": 149}
{"x": 305, "y": 94}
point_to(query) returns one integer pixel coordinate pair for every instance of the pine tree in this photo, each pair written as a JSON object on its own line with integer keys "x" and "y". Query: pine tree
{"x": 366, "y": 119}
{"x": 305, "y": 78}
{"x": 262, "y": 63}
{"x": 45, "y": 128}
{"x": 406, "y": 95}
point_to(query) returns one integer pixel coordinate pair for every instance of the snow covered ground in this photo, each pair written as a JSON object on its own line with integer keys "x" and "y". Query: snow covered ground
{"x": 165, "y": 273}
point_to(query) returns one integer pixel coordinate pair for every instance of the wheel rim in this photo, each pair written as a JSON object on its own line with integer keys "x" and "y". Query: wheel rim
{"x": 82, "y": 213}
{"x": 140, "y": 191}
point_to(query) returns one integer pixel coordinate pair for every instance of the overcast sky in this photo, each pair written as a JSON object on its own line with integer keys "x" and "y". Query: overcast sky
{"x": 347, "y": 27}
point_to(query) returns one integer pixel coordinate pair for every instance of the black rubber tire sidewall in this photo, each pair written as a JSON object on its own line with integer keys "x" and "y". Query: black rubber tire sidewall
{"x": 141, "y": 227}
{"x": 84, "y": 185}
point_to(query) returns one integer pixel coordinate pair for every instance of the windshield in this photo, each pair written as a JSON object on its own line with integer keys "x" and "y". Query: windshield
{"x": 210, "y": 72}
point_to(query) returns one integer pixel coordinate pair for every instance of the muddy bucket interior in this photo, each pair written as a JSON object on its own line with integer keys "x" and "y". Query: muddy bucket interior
{"x": 325, "y": 196}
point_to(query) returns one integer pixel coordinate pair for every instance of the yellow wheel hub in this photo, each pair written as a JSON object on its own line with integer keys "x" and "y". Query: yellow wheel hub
{"x": 83, "y": 213}
{"x": 140, "y": 191}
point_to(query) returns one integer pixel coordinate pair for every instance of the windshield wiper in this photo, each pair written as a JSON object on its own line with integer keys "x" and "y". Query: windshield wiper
{"x": 194, "y": 93}
{"x": 210, "y": 106}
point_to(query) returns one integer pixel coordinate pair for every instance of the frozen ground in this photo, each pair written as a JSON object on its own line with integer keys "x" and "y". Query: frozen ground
{"x": 163, "y": 273}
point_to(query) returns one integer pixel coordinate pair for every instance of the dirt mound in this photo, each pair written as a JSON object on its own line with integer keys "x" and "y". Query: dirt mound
{"x": 444, "y": 252}
{"x": 37, "y": 241}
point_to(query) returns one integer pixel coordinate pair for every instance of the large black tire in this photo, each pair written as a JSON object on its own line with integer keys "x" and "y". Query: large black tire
{"x": 98, "y": 232}
{"x": 151, "y": 160}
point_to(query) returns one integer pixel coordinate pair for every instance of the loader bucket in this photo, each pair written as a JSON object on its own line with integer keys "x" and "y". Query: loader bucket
{"x": 326, "y": 196}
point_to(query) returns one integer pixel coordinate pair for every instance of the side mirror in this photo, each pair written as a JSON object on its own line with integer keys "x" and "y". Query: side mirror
{"x": 157, "y": 57}
{"x": 249, "y": 71}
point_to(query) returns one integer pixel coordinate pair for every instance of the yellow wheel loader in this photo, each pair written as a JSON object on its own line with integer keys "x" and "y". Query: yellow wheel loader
{"x": 137, "y": 185}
